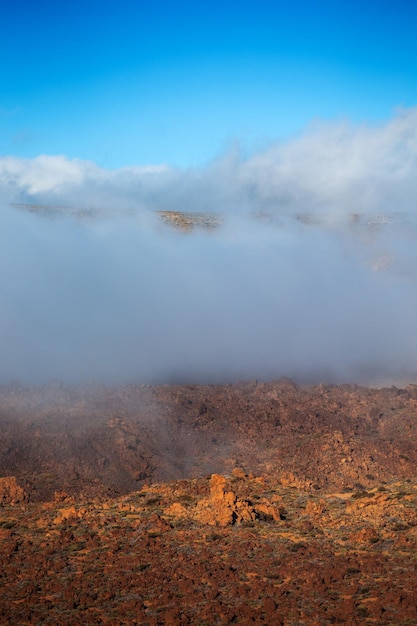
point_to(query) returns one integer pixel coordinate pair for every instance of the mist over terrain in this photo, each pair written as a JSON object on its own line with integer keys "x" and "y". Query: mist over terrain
{"x": 312, "y": 273}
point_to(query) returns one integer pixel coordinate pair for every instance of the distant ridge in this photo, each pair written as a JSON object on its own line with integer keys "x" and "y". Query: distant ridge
{"x": 182, "y": 220}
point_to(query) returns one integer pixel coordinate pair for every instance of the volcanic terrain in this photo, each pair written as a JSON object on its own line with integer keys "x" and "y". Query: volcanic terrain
{"x": 255, "y": 503}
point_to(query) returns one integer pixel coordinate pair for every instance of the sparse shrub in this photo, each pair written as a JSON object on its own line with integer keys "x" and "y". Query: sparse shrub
{"x": 362, "y": 611}
{"x": 214, "y": 537}
{"x": 365, "y": 591}
{"x": 152, "y": 501}
{"x": 359, "y": 494}
{"x": 7, "y": 524}
{"x": 185, "y": 499}
{"x": 76, "y": 546}
{"x": 142, "y": 567}
{"x": 295, "y": 547}
{"x": 248, "y": 523}
{"x": 352, "y": 570}
{"x": 180, "y": 523}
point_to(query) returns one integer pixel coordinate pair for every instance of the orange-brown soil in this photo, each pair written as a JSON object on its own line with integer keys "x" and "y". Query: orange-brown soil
{"x": 241, "y": 504}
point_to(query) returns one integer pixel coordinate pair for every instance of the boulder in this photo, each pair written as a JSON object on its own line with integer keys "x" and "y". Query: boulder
{"x": 11, "y": 492}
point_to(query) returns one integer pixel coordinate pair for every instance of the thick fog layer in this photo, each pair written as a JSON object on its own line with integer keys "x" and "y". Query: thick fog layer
{"x": 313, "y": 273}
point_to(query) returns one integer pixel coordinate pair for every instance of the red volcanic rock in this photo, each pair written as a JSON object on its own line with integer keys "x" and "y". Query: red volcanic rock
{"x": 69, "y": 513}
{"x": 105, "y": 441}
{"x": 269, "y": 503}
{"x": 127, "y": 560}
{"x": 364, "y": 535}
{"x": 222, "y": 507}
{"x": 11, "y": 492}
{"x": 156, "y": 524}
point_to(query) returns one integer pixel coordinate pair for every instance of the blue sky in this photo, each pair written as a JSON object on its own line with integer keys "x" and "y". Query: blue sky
{"x": 137, "y": 83}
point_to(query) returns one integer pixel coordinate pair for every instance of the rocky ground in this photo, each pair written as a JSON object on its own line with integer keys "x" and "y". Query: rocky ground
{"x": 263, "y": 503}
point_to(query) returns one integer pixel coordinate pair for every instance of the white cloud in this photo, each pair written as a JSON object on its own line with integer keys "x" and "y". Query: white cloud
{"x": 122, "y": 299}
{"x": 333, "y": 168}
{"x": 341, "y": 168}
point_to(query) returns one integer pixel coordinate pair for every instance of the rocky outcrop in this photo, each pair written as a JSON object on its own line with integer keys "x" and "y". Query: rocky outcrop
{"x": 167, "y": 554}
{"x": 11, "y": 492}
{"x": 222, "y": 507}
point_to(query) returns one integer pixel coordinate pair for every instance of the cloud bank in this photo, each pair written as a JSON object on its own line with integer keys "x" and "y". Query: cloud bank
{"x": 124, "y": 298}
{"x": 330, "y": 168}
